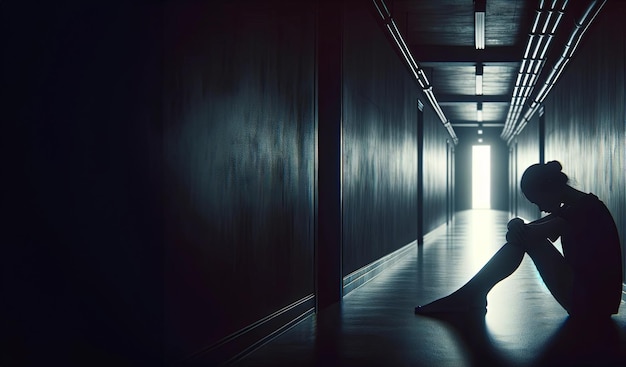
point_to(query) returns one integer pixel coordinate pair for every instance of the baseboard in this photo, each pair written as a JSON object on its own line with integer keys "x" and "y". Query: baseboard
{"x": 435, "y": 232}
{"x": 363, "y": 275}
{"x": 241, "y": 343}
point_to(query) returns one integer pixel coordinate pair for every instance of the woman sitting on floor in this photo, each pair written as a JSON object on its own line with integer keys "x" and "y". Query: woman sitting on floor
{"x": 586, "y": 280}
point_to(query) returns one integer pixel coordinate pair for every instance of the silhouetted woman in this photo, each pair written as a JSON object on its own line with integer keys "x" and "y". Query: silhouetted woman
{"x": 586, "y": 280}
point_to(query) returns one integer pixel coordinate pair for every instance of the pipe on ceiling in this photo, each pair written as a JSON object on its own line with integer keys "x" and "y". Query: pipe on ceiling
{"x": 415, "y": 68}
{"x": 580, "y": 27}
{"x": 545, "y": 24}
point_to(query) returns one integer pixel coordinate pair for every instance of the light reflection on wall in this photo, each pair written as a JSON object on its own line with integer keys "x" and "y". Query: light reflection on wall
{"x": 379, "y": 144}
{"x": 239, "y": 168}
{"x": 397, "y": 156}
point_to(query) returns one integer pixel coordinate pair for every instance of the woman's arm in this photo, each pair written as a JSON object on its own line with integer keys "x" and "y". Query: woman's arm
{"x": 550, "y": 226}
{"x": 544, "y": 219}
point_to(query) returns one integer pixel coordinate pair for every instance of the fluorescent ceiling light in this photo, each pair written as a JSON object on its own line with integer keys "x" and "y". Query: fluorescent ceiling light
{"x": 480, "y": 132}
{"x": 466, "y": 124}
{"x": 479, "y": 85}
{"x": 479, "y": 29}
{"x": 479, "y": 116}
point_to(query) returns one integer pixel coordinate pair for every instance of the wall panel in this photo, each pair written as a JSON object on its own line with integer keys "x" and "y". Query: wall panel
{"x": 166, "y": 179}
{"x": 239, "y": 157}
{"x": 435, "y": 163}
{"x": 585, "y": 114}
{"x": 380, "y": 149}
{"x": 527, "y": 154}
{"x": 379, "y": 144}
{"x": 499, "y": 171}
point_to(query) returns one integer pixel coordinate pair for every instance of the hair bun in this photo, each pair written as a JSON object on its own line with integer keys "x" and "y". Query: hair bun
{"x": 554, "y": 166}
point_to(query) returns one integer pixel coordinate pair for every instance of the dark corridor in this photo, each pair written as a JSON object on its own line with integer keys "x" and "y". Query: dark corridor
{"x": 185, "y": 180}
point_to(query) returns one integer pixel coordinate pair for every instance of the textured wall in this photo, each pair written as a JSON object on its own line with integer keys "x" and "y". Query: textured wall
{"x": 463, "y": 167}
{"x": 379, "y": 144}
{"x": 82, "y": 247}
{"x": 499, "y": 171}
{"x": 162, "y": 160}
{"x": 435, "y": 164}
{"x": 527, "y": 154}
{"x": 239, "y": 156}
{"x": 585, "y": 114}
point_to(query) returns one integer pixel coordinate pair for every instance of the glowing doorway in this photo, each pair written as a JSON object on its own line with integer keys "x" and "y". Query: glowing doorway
{"x": 481, "y": 177}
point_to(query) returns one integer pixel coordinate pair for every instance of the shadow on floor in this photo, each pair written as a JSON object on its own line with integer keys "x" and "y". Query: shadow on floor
{"x": 574, "y": 343}
{"x": 586, "y": 343}
{"x": 335, "y": 347}
{"x": 472, "y": 330}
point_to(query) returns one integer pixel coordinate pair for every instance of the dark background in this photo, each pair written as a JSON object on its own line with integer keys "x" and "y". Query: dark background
{"x": 160, "y": 173}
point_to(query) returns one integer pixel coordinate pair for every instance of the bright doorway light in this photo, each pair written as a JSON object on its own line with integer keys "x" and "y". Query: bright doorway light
{"x": 481, "y": 177}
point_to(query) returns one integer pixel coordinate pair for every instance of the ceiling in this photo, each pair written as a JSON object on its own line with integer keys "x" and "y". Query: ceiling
{"x": 440, "y": 36}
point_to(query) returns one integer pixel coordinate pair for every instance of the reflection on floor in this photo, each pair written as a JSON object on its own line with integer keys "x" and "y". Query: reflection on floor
{"x": 375, "y": 324}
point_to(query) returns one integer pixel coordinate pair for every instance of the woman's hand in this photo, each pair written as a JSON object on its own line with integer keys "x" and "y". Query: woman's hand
{"x": 516, "y": 231}
{"x": 550, "y": 227}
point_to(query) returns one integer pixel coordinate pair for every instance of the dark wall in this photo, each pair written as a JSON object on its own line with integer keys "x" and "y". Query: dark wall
{"x": 81, "y": 242}
{"x": 379, "y": 144}
{"x": 527, "y": 145}
{"x": 585, "y": 114}
{"x": 380, "y": 150}
{"x": 163, "y": 176}
{"x": 468, "y": 137}
{"x": 239, "y": 166}
{"x": 162, "y": 164}
{"x": 499, "y": 173}
{"x": 435, "y": 166}
{"x": 463, "y": 167}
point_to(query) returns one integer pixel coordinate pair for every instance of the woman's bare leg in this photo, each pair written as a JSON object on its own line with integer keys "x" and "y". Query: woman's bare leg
{"x": 473, "y": 295}
{"x": 555, "y": 272}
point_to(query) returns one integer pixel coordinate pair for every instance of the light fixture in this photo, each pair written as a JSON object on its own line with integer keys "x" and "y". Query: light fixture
{"x": 480, "y": 132}
{"x": 479, "y": 85}
{"x": 414, "y": 67}
{"x": 542, "y": 33}
{"x": 480, "y": 140}
{"x": 479, "y": 23}
{"x": 479, "y": 79}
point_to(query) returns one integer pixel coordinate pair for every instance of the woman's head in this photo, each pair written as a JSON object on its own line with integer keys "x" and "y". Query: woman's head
{"x": 543, "y": 185}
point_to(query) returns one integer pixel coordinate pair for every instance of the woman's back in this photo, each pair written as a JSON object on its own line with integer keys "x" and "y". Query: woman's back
{"x": 591, "y": 245}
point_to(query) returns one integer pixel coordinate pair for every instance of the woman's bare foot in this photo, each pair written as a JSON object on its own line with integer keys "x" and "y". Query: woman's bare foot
{"x": 454, "y": 303}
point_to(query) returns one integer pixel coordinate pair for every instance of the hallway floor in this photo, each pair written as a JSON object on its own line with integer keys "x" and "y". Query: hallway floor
{"x": 376, "y": 326}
